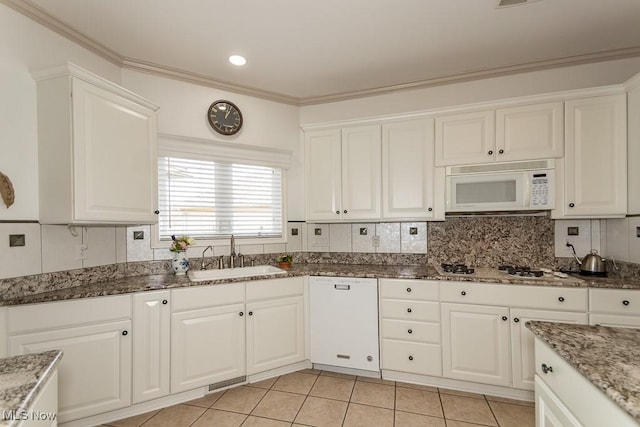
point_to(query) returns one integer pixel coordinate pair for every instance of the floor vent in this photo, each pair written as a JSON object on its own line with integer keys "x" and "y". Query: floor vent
{"x": 507, "y": 3}
{"x": 227, "y": 383}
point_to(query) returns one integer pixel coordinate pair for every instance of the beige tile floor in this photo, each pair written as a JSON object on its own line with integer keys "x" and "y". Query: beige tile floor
{"x": 321, "y": 398}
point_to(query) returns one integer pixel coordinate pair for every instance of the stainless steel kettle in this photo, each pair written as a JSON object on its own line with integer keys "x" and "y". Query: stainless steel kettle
{"x": 592, "y": 264}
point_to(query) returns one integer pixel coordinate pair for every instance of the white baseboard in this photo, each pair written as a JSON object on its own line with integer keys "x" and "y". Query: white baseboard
{"x": 350, "y": 371}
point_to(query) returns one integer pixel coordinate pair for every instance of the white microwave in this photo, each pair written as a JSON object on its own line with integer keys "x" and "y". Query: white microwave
{"x": 517, "y": 186}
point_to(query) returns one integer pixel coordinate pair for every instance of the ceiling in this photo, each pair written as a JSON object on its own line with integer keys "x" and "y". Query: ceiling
{"x": 304, "y": 52}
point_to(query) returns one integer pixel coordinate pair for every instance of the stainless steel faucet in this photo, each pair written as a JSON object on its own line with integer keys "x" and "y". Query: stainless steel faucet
{"x": 232, "y": 258}
{"x": 202, "y": 266}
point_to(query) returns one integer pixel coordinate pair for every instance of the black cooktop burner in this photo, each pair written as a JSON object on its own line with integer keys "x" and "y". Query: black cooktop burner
{"x": 520, "y": 271}
{"x": 457, "y": 268}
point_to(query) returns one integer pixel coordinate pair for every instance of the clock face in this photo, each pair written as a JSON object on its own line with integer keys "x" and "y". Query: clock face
{"x": 225, "y": 118}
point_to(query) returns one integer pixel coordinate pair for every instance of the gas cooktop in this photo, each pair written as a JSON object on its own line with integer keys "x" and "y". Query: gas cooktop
{"x": 505, "y": 271}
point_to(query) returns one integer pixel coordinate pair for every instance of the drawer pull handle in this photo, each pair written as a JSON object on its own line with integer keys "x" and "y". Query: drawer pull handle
{"x": 410, "y": 331}
{"x": 463, "y": 293}
{"x": 408, "y": 310}
{"x": 625, "y": 302}
{"x": 338, "y": 212}
{"x": 490, "y": 152}
{"x": 250, "y": 313}
{"x": 165, "y": 302}
{"x": 516, "y": 320}
{"x": 241, "y": 314}
{"x": 345, "y": 211}
{"x": 500, "y": 151}
{"x": 125, "y": 333}
{"x": 561, "y": 299}
{"x": 571, "y": 205}
{"x": 410, "y": 357}
{"x": 408, "y": 289}
{"x": 546, "y": 369}
{"x": 505, "y": 318}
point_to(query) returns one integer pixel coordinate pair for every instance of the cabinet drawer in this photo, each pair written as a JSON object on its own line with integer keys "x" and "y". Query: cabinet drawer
{"x": 617, "y": 301}
{"x": 411, "y": 331}
{"x": 409, "y": 289}
{"x": 275, "y": 288}
{"x": 410, "y": 310}
{"x": 412, "y": 357}
{"x": 542, "y": 297}
{"x": 614, "y": 320}
{"x": 54, "y": 315}
{"x": 206, "y": 296}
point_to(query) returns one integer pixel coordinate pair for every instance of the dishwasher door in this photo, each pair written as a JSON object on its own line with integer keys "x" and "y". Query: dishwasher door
{"x": 344, "y": 322}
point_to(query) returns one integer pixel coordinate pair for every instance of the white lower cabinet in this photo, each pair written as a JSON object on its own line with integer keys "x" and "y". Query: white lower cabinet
{"x": 151, "y": 345}
{"x": 475, "y": 343}
{"x": 45, "y": 404}
{"x": 275, "y": 334}
{"x": 207, "y": 344}
{"x": 95, "y": 337}
{"x": 550, "y": 411}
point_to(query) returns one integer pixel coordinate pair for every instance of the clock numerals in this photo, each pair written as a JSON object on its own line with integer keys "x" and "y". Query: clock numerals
{"x": 225, "y": 118}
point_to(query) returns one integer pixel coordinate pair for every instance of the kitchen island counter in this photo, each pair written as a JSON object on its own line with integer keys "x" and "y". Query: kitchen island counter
{"x": 22, "y": 380}
{"x": 608, "y": 357}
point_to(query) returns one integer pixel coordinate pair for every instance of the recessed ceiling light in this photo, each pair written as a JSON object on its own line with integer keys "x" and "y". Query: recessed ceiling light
{"x": 237, "y": 60}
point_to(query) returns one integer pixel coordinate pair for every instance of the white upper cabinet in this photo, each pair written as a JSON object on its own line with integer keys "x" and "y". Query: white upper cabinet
{"x": 467, "y": 138}
{"x": 593, "y": 182}
{"x": 633, "y": 149}
{"x": 343, "y": 173}
{"x": 411, "y": 186}
{"x": 525, "y": 132}
{"x": 97, "y": 148}
{"x": 530, "y": 132}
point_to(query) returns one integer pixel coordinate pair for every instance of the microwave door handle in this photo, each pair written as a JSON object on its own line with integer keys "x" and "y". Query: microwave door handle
{"x": 526, "y": 202}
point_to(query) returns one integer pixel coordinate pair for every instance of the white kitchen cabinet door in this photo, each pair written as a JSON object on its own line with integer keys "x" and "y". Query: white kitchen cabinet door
{"x": 475, "y": 343}
{"x": 207, "y": 346}
{"x": 361, "y": 173}
{"x": 595, "y": 163}
{"x": 151, "y": 345}
{"x": 323, "y": 175}
{"x": 530, "y": 132}
{"x": 100, "y": 146}
{"x": 95, "y": 370}
{"x": 550, "y": 411}
{"x": 523, "y": 341}
{"x": 408, "y": 171}
{"x": 275, "y": 333}
{"x": 464, "y": 139}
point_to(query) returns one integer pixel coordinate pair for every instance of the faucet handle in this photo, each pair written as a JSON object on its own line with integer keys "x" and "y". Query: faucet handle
{"x": 220, "y": 262}
{"x": 241, "y": 258}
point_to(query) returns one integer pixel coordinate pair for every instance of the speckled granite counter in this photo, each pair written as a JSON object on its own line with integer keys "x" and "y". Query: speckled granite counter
{"x": 133, "y": 284}
{"x": 21, "y": 380}
{"x": 608, "y": 357}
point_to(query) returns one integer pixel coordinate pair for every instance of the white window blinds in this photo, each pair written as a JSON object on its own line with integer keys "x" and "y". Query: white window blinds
{"x": 207, "y": 199}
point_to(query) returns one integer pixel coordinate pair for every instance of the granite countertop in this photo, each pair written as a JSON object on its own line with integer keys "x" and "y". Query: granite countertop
{"x": 21, "y": 379}
{"x": 131, "y": 284}
{"x": 608, "y": 357}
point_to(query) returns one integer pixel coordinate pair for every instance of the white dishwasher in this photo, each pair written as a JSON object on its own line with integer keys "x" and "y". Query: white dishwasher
{"x": 344, "y": 322}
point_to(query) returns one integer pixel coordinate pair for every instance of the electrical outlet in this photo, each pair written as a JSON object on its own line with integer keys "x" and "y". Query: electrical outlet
{"x": 81, "y": 252}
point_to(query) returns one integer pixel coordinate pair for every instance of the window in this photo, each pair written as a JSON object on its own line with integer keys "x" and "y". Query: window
{"x": 210, "y": 190}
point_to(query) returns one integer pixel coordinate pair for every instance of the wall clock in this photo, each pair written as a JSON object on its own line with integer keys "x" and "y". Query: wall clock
{"x": 225, "y": 117}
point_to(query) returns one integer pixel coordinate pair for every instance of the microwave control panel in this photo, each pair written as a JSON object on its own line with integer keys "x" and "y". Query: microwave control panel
{"x": 540, "y": 189}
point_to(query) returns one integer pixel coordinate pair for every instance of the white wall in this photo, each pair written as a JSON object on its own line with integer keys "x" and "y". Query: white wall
{"x": 531, "y": 83}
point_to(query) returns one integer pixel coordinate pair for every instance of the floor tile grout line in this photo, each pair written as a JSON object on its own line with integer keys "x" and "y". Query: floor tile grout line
{"x": 305, "y": 399}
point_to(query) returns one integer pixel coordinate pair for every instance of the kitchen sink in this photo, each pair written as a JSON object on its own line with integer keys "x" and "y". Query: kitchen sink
{"x": 233, "y": 273}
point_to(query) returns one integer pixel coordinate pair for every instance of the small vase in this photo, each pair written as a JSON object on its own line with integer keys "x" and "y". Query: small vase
{"x": 180, "y": 263}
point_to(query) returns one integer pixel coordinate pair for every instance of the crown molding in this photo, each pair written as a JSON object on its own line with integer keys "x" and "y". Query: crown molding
{"x": 28, "y": 9}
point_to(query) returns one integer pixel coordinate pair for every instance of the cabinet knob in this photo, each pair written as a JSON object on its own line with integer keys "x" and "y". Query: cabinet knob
{"x": 337, "y": 212}
{"x": 430, "y": 209}
{"x": 156, "y": 212}
{"x": 500, "y": 151}
{"x": 250, "y": 313}
{"x": 625, "y": 302}
{"x": 410, "y": 357}
{"x": 408, "y": 310}
{"x": 408, "y": 289}
{"x": 410, "y": 331}
{"x": 125, "y": 333}
{"x": 561, "y": 299}
{"x": 344, "y": 211}
{"x": 164, "y": 301}
{"x": 571, "y": 205}
{"x": 516, "y": 320}
{"x": 546, "y": 369}
{"x": 490, "y": 152}
{"x": 463, "y": 293}
{"x": 241, "y": 314}
{"x": 505, "y": 318}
